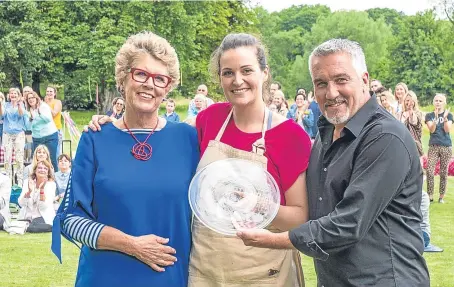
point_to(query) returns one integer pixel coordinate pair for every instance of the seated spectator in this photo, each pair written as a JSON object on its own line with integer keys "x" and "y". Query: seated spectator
{"x": 41, "y": 153}
{"x": 425, "y": 224}
{"x": 171, "y": 115}
{"x": 37, "y": 197}
{"x": 5, "y": 193}
{"x": 62, "y": 177}
{"x": 203, "y": 90}
{"x": 118, "y": 108}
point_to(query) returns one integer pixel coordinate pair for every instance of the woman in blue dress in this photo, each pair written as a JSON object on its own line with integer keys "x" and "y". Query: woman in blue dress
{"x": 124, "y": 204}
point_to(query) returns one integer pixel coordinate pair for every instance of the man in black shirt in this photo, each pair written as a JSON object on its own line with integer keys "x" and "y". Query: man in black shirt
{"x": 364, "y": 184}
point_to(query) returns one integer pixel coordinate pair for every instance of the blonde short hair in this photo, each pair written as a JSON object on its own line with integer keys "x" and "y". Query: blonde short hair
{"x": 149, "y": 43}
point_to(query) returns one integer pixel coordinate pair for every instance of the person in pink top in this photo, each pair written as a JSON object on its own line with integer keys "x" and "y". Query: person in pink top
{"x": 244, "y": 128}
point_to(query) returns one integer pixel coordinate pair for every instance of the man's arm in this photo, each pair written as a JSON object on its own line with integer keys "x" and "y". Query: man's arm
{"x": 364, "y": 200}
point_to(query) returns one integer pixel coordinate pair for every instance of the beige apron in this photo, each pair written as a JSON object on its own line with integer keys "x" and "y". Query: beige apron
{"x": 224, "y": 261}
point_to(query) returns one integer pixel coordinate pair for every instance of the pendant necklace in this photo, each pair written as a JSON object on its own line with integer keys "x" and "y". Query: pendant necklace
{"x": 141, "y": 150}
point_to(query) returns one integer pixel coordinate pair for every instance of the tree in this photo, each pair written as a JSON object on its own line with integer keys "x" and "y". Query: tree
{"x": 373, "y": 36}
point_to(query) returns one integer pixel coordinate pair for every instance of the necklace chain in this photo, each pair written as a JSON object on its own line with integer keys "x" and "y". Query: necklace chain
{"x": 141, "y": 150}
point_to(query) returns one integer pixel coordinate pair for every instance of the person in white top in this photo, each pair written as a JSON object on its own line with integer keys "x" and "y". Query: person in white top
{"x": 37, "y": 197}
{"x": 5, "y": 193}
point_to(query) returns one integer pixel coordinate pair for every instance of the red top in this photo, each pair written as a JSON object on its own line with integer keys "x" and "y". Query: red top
{"x": 287, "y": 145}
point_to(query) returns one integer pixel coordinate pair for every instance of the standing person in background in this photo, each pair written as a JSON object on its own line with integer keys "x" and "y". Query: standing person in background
{"x": 202, "y": 90}
{"x": 400, "y": 92}
{"x": 56, "y": 108}
{"x": 118, "y": 108}
{"x": 303, "y": 116}
{"x": 302, "y": 92}
{"x": 411, "y": 117}
{"x": 44, "y": 131}
{"x": 439, "y": 123}
{"x": 14, "y": 120}
{"x": 170, "y": 114}
{"x": 388, "y": 102}
{"x": 2, "y": 103}
{"x": 274, "y": 87}
{"x": 28, "y": 152}
{"x": 313, "y": 106}
{"x": 375, "y": 85}
{"x": 281, "y": 103}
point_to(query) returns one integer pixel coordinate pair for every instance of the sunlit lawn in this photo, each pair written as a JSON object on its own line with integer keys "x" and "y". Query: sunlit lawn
{"x": 27, "y": 260}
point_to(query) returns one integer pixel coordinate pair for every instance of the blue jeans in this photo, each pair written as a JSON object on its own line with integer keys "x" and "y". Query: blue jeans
{"x": 51, "y": 142}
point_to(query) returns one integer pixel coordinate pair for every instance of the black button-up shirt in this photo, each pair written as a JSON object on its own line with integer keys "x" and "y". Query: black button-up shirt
{"x": 364, "y": 204}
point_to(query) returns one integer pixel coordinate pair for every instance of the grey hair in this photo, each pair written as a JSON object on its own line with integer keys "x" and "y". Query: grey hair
{"x": 349, "y": 47}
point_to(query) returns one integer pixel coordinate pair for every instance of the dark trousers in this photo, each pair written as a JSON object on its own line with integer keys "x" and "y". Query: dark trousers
{"x": 51, "y": 142}
{"x": 39, "y": 226}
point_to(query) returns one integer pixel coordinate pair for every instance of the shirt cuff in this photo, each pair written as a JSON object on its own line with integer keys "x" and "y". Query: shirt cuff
{"x": 303, "y": 240}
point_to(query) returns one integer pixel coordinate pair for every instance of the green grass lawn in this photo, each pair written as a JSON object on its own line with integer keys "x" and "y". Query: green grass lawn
{"x": 27, "y": 260}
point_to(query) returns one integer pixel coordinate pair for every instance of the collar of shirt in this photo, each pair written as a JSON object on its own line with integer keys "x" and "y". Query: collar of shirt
{"x": 354, "y": 125}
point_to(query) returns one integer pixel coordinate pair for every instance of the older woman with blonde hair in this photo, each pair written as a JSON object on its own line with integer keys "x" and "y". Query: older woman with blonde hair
{"x": 130, "y": 239}
{"x": 411, "y": 117}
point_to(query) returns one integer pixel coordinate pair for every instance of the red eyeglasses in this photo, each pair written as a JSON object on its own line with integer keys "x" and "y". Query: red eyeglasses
{"x": 141, "y": 76}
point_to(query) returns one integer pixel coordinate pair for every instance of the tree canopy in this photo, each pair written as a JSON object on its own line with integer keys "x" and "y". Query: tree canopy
{"x": 72, "y": 44}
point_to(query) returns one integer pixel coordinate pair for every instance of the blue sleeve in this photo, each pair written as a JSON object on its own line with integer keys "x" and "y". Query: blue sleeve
{"x": 177, "y": 118}
{"x": 75, "y": 218}
{"x": 290, "y": 114}
{"x": 309, "y": 120}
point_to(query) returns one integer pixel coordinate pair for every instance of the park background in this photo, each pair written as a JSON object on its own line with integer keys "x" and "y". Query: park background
{"x": 72, "y": 45}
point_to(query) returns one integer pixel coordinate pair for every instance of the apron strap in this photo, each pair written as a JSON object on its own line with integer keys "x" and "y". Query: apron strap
{"x": 258, "y": 146}
{"x": 221, "y": 131}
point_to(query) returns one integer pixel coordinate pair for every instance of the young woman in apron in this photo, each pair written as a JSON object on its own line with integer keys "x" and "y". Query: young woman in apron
{"x": 278, "y": 145}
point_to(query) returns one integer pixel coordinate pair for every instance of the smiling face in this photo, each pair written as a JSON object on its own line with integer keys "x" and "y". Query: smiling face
{"x": 400, "y": 92}
{"x": 50, "y": 94}
{"x": 198, "y": 102}
{"x": 42, "y": 171}
{"x": 41, "y": 155}
{"x": 32, "y": 100}
{"x": 119, "y": 105}
{"x": 241, "y": 77}
{"x": 339, "y": 90}
{"x": 300, "y": 101}
{"x": 145, "y": 97}
{"x": 409, "y": 103}
{"x": 202, "y": 89}
{"x": 277, "y": 101}
{"x": 13, "y": 95}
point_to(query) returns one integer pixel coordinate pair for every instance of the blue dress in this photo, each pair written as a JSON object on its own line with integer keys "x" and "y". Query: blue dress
{"x": 108, "y": 186}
